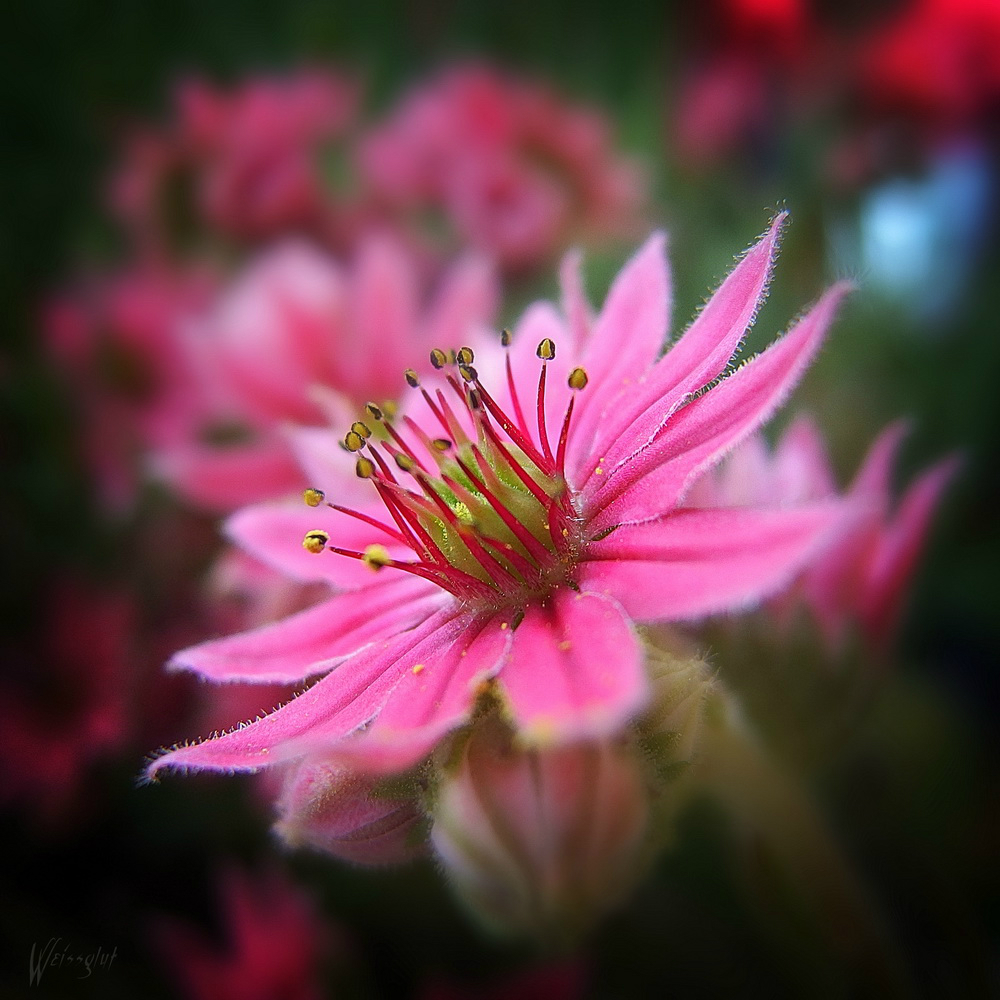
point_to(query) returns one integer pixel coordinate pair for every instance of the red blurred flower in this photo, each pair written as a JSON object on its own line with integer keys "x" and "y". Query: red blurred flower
{"x": 273, "y": 943}
{"x": 64, "y": 702}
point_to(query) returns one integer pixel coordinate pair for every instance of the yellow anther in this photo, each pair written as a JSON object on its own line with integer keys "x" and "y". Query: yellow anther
{"x": 313, "y": 498}
{"x": 440, "y": 444}
{"x": 505, "y": 338}
{"x": 404, "y": 461}
{"x": 365, "y": 468}
{"x": 362, "y": 429}
{"x": 315, "y": 541}
{"x": 468, "y": 372}
{"x": 353, "y": 441}
{"x": 417, "y": 667}
{"x": 412, "y": 378}
{"x": 465, "y": 356}
{"x": 438, "y": 358}
{"x": 374, "y": 411}
{"x": 577, "y": 379}
{"x": 376, "y": 557}
{"x": 546, "y": 349}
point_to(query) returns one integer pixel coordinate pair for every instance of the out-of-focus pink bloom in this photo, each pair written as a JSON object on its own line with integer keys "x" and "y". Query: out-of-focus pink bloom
{"x": 274, "y": 943}
{"x": 250, "y": 155}
{"x": 536, "y": 518}
{"x": 325, "y": 807}
{"x": 65, "y": 705}
{"x": 535, "y": 840}
{"x": 938, "y": 60}
{"x": 513, "y": 168}
{"x": 299, "y": 339}
{"x": 115, "y": 341}
{"x": 862, "y": 577}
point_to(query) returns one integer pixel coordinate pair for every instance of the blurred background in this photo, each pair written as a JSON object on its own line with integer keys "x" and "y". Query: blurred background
{"x": 153, "y": 151}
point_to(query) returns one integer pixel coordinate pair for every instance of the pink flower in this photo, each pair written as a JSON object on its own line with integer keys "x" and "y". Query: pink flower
{"x": 115, "y": 341}
{"x": 514, "y": 169}
{"x": 273, "y": 947}
{"x": 534, "y": 519}
{"x": 251, "y": 155}
{"x": 298, "y": 339}
{"x": 862, "y": 576}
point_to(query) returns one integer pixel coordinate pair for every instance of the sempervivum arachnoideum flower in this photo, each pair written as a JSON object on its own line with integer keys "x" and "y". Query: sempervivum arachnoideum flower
{"x": 527, "y": 517}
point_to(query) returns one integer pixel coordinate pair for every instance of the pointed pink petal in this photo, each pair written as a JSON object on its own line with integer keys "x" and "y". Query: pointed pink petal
{"x": 694, "y": 360}
{"x": 273, "y": 533}
{"x": 222, "y": 479}
{"x": 575, "y": 670}
{"x": 384, "y": 314}
{"x": 628, "y": 335}
{"x": 899, "y": 549}
{"x": 316, "y": 640}
{"x": 874, "y": 478}
{"x": 650, "y": 482}
{"x": 333, "y": 708}
{"x": 802, "y": 468}
{"x": 576, "y": 308}
{"x": 700, "y": 562}
{"x": 431, "y": 701}
{"x": 466, "y": 299}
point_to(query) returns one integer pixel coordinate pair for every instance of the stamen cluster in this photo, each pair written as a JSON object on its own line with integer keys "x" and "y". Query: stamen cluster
{"x": 485, "y": 507}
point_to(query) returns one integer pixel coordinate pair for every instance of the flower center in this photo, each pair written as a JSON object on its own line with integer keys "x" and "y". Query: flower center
{"x": 481, "y": 498}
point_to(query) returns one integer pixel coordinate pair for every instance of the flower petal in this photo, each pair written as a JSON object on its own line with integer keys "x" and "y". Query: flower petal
{"x": 223, "y": 478}
{"x": 690, "y": 364}
{"x": 899, "y": 548}
{"x": 874, "y": 478}
{"x": 430, "y": 701}
{"x": 317, "y": 639}
{"x": 628, "y": 335}
{"x": 334, "y": 707}
{"x": 575, "y": 669}
{"x": 273, "y": 533}
{"x": 699, "y": 562}
{"x": 650, "y": 482}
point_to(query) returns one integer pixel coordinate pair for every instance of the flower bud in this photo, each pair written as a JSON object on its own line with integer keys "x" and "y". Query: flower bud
{"x": 331, "y": 809}
{"x": 544, "y": 840}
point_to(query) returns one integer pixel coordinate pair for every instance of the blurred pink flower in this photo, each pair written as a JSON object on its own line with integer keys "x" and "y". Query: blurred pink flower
{"x": 65, "y": 705}
{"x": 512, "y": 168}
{"x": 530, "y": 547}
{"x": 299, "y": 339}
{"x": 115, "y": 341}
{"x": 251, "y": 156}
{"x": 274, "y": 943}
{"x": 862, "y": 576}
